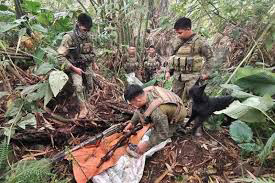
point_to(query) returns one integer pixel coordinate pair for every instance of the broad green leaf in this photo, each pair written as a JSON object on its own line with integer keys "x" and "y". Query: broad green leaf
{"x": 2, "y": 94}
{"x": 14, "y": 108}
{"x": 31, "y": 6}
{"x": 9, "y": 132}
{"x": 240, "y": 132}
{"x": 27, "y": 120}
{"x": 22, "y": 31}
{"x": 237, "y": 91}
{"x": 250, "y": 147}
{"x": 44, "y": 68}
{"x": 8, "y": 26}
{"x": 39, "y": 28}
{"x": 57, "y": 80}
{"x": 259, "y": 81}
{"x": 267, "y": 148}
{"x": 39, "y": 55}
{"x": 48, "y": 95}
{"x": 250, "y": 110}
{"x": 30, "y": 89}
{"x": 15, "y": 119}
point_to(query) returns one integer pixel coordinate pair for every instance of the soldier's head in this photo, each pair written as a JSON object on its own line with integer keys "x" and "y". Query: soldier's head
{"x": 84, "y": 23}
{"x": 151, "y": 51}
{"x": 183, "y": 28}
{"x": 135, "y": 96}
{"x": 132, "y": 50}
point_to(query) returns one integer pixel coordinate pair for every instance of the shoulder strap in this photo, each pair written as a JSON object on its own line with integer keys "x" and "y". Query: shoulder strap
{"x": 163, "y": 98}
{"x": 182, "y": 43}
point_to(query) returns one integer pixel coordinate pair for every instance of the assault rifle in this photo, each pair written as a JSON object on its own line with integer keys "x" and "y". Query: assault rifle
{"x": 93, "y": 140}
{"x": 124, "y": 140}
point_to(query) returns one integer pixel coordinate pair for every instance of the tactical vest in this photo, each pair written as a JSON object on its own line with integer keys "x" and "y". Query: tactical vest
{"x": 151, "y": 63}
{"x": 132, "y": 64}
{"x": 81, "y": 50}
{"x": 187, "y": 59}
{"x": 162, "y": 96}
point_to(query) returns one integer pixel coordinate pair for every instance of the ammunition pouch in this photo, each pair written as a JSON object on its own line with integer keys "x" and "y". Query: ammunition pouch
{"x": 187, "y": 64}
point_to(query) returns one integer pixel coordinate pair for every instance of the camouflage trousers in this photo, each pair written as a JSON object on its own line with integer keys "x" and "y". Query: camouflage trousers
{"x": 163, "y": 130}
{"x": 181, "y": 85}
{"x": 79, "y": 84}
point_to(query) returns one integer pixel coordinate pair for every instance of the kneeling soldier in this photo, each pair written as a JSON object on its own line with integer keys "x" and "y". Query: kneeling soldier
{"x": 155, "y": 105}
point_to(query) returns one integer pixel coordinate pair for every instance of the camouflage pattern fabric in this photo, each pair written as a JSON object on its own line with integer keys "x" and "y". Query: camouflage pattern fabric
{"x": 151, "y": 65}
{"x": 86, "y": 55}
{"x": 184, "y": 80}
{"x": 160, "y": 119}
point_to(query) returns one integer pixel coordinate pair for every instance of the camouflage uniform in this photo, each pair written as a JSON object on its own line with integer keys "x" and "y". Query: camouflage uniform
{"x": 132, "y": 64}
{"x": 151, "y": 65}
{"x": 161, "y": 119}
{"x": 191, "y": 59}
{"x": 77, "y": 51}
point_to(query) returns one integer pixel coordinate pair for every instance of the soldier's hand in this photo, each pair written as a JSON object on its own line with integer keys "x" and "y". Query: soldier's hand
{"x": 167, "y": 75}
{"x": 204, "y": 76}
{"x": 128, "y": 127}
{"x": 95, "y": 67}
{"x": 78, "y": 71}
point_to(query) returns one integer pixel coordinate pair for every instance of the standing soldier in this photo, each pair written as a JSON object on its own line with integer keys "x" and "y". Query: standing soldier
{"x": 131, "y": 62}
{"x": 191, "y": 58}
{"x": 152, "y": 64}
{"x": 76, "y": 56}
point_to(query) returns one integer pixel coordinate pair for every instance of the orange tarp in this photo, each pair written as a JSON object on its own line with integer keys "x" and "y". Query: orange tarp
{"x": 86, "y": 159}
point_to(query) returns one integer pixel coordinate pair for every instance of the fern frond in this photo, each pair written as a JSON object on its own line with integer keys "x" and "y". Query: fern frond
{"x": 37, "y": 171}
{"x": 267, "y": 148}
{"x": 4, "y": 151}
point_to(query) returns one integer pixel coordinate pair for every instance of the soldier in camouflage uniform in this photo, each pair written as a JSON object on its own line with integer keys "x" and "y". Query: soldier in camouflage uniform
{"x": 152, "y": 63}
{"x": 158, "y": 106}
{"x": 131, "y": 62}
{"x": 191, "y": 58}
{"x": 76, "y": 57}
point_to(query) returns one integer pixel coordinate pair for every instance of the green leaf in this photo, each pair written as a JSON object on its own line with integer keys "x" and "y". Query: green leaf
{"x": 31, "y": 6}
{"x": 251, "y": 110}
{"x": 250, "y": 147}
{"x": 39, "y": 28}
{"x": 39, "y": 55}
{"x": 258, "y": 81}
{"x": 3, "y": 7}
{"x": 57, "y": 80}
{"x": 29, "y": 89}
{"x": 237, "y": 91}
{"x": 8, "y": 26}
{"x": 44, "y": 68}
{"x": 267, "y": 148}
{"x": 14, "y": 108}
{"x": 27, "y": 120}
{"x": 48, "y": 95}
{"x": 240, "y": 132}
{"x": 2, "y": 94}
{"x": 22, "y": 31}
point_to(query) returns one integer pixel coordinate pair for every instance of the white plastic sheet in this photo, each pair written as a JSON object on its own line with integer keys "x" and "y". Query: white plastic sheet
{"x": 132, "y": 79}
{"x": 128, "y": 169}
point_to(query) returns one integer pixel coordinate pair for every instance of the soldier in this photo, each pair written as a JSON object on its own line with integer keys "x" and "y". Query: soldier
{"x": 152, "y": 63}
{"x": 131, "y": 60}
{"x": 191, "y": 58}
{"x": 76, "y": 57}
{"x": 155, "y": 105}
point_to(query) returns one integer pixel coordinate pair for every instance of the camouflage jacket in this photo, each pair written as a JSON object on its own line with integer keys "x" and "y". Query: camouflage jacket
{"x": 156, "y": 61}
{"x": 198, "y": 46}
{"x": 160, "y": 119}
{"x": 75, "y": 51}
{"x": 131, "y": 64}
